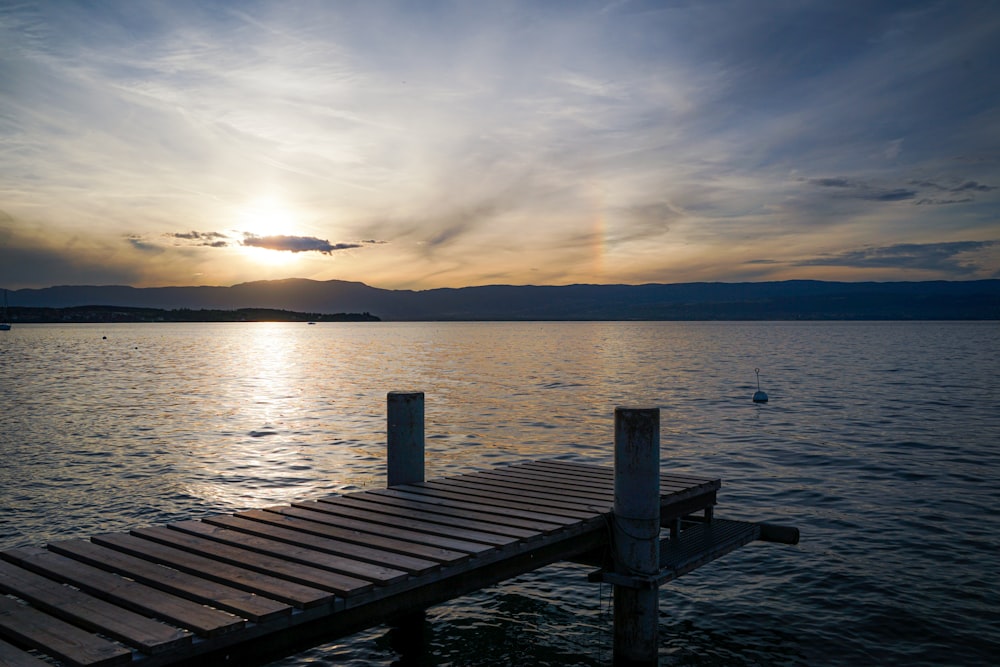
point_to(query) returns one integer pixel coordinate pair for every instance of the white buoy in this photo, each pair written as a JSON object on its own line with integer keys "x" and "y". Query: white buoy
{"x": 759, "y": 396}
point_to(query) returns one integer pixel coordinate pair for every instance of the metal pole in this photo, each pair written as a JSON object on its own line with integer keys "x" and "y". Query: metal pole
{"x": 636, "y": 534}
{"x": 404, "y": 437}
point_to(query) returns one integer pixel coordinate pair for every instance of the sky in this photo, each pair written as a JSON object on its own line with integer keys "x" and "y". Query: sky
{"x": 423, "y": 144}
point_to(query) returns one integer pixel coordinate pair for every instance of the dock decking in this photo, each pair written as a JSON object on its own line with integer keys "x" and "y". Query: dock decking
{"x": 316, "y": 569}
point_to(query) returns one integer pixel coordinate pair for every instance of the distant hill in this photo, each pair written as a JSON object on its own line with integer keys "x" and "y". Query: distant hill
{"x": 101, "y": 314}
{"x": 786, "y": 300}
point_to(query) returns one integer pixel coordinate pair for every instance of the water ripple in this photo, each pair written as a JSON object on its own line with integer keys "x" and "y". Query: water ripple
{"x": 878, "y": 442}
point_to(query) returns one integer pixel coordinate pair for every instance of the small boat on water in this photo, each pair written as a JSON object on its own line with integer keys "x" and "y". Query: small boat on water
{"x": 4, "y": 317}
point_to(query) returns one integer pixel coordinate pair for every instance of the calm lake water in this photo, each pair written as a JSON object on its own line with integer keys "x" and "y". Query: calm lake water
{"x": 881, "y": 442}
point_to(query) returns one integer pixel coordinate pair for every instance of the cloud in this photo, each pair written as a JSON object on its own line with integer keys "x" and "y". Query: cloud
{"x": 295, "y": 243}
{"x": 441, "y": 224}
{"x": 207, "y": 239}
{"x": 961, "y": 187}
{"x": 968, "y": 188}
{"x": 598, "y": 140}
{"x": 972, "y": 185}
{"x": 831, "y": 182}
{"x": 139, "y": 243}
{"x": 926, "y": 201}
{"x": 895, "y": 194}
{"x": 942, "y": 257}
{"x": 639, "y": 222}
{"x": 866, "y": 190}
{"x": 863, "y": 190}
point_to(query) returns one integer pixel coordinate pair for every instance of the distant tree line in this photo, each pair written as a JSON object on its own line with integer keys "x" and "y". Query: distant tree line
{"x": 106, "y": 314}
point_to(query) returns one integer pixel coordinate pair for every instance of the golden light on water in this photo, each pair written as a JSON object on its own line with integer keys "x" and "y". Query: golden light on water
{"x": 263, "y": 459}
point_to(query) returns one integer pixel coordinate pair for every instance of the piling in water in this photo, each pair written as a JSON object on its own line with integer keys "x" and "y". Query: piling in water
{"x": 404, "y": 437}
{"x": 636, "y": 534}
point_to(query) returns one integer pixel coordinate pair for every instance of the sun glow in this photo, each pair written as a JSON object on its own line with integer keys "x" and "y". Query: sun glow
{"x": 268, "y": 217}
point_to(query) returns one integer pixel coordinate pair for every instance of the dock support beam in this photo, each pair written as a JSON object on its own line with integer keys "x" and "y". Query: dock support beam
{"x": 405, "y": 465}
{"x": 636, "y": 533}
{"x": 404, "y": 437}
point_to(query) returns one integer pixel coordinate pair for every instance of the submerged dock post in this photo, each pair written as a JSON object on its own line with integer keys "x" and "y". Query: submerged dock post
{"x": 404, "y": 437}
{"x": 636, "y": 533}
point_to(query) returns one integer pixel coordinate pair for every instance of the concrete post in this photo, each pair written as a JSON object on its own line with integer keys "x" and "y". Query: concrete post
{"x": 636, "y": 534}
{"x": 404, "y": 437}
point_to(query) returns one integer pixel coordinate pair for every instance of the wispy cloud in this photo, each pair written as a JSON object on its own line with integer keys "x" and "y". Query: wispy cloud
{"x": 862, "y": 190}
{"x": 915, "y": 190}
{"x": 210, "y": 239}
{"x": 942, "y": 257}
{"x": 587, "y": 141}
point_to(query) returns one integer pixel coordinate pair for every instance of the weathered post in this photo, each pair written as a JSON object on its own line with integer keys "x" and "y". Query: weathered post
{"x": 404, "y": 437}
{"x": 636, "y": 534}
{"x": 405, "y": 465}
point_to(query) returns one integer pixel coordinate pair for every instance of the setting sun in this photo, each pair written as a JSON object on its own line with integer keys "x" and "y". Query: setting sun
{"x": 264, "y": 219}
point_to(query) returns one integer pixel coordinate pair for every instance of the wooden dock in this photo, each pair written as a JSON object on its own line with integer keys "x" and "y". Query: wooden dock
{"x": 172, "y": 594}
{"x": 252, "y": 586}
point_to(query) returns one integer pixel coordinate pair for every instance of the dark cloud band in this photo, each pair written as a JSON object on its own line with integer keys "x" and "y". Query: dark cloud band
{"x": 295, "y": 243}
{"x": 921, "y": 256}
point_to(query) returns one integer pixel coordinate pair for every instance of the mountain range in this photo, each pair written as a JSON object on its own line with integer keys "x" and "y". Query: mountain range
{"x": 784, "y": 300}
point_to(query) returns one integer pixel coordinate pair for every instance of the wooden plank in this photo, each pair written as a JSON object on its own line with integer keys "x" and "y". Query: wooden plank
{"x": 85, "y": 611}
{"x": 290, "y": 592}
{"x": 566, "y": 483}
{"x": 304, "y": 512}
{"x": 204, "y": 621}
{"x": 542, "y": 501}
{"x": 11, "y": 656}
{"x": 594, "y": 472}
{"x": 602, "y": 473}
{"x": 671, "y": 491}
{"x": 674, "y": 497}
{"x": 570, "y": 513}
{"x": 572, "y": 478}
{"x": 595, "y": 481}
{"x": 311, "y": 580}
{"x": 605, "y": 472}
{"x": 482, "y": 522}
{"x": 495, "y": 523}
{"x": 426, "y": 496}
{"x": 549, "y": 496}
{"x": 360, "y": 552}
{"x": 576, "y": 467}
{"x": 29, "y": 627}
{"x": 566, "y": 479}
{"x": 200, "y": 589}
{"x": 357, "y": 537}
{"x": 565, "y": 488}
{"x": 432, "y": 495}
{"x": 356, "y": 571}
{"x": 496, "y": 516}
{"x": 375, "y": 517}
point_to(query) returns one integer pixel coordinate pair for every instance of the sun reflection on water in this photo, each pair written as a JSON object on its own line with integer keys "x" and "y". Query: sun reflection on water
{"x": 264, "y": 457}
